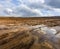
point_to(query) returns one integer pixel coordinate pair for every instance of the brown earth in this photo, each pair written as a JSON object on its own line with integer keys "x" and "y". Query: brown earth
{"x": 15, "y": 33}
{"x": 50, "y": 21}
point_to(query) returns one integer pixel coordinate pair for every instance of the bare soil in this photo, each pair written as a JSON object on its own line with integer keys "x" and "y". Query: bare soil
{"x": 15, "y": 33}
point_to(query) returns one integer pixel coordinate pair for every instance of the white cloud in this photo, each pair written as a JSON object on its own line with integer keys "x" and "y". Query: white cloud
{"x": 24, "y": 10}
{"x": 31, "y": 1}
{"x": 36, "y": 1}
{"x": 53, "y": 3}
{"x": 0, "y": 5}
{"x": 28, "y": 8}
{"x": 8, "y": 11}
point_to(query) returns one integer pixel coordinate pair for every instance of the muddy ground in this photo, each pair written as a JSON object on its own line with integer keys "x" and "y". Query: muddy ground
{"x": 29, "y": 33}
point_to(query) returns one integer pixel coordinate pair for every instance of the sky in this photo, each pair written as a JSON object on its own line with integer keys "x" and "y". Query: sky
{"x": 30, "y": 8}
